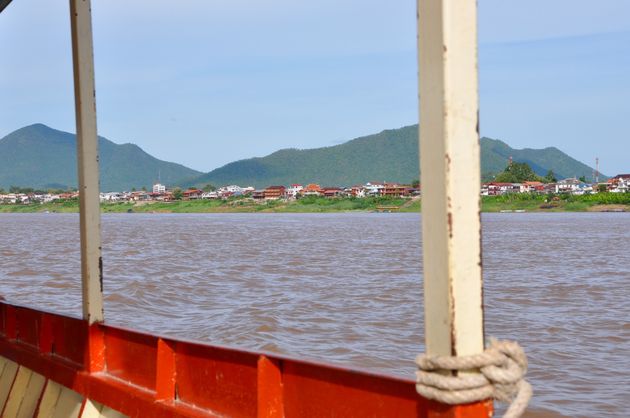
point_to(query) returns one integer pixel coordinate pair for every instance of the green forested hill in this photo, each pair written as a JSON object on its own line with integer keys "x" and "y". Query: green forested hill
{"x": 41, "y": 157}
{"x": 391, "y": 155}
{"x": 495, "y": 154}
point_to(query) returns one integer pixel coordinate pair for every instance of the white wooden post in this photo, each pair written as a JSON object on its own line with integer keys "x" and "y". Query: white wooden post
{"x": 449, "y": 156}
{"x": 87, "y": 155}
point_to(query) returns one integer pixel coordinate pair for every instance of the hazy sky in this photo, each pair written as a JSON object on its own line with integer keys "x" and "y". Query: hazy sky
{"x": 212, "y": 81}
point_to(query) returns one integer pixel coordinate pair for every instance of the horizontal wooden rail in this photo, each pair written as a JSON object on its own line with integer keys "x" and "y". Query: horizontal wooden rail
{"x": 140, "y": 374}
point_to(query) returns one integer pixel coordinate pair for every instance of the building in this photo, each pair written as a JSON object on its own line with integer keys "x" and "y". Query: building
{"x": 192, "y": 194}
{"x": 210, "y": 195}
{"x": 619, "y": 184}
{"x": 570, "y": 185}
{"x": 357, "y": 191}
{"x": 332, "y": 191}
{"x": 140, "y": 196}
{"x": 274, "y": 192}
{"x": 258, "y": 194}
{"x": 232, "y": 190}
{"x": 159, "y": 188}
{"x": 294, "y": 190}
{"x": 394, "y": 190}
{"x": 532, "y": 187}
{"x": 312, "y": 189}
{"x": 496, "y": 188}
{"x": 373, "y": 189}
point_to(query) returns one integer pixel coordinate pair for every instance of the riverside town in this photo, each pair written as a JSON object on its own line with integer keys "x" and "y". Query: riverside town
{"x": 572, "y": 186}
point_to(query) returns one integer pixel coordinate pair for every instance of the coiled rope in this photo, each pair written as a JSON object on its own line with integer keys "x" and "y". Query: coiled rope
{"x": 503, "y": 366}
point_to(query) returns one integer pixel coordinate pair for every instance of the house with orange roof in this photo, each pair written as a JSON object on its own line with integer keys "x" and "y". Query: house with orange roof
{"x": 192, "y": 194}
{"x": 312, "y": 189}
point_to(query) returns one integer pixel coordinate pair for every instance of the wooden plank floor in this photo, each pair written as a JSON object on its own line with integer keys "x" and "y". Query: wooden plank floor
{"x": 26, "y": 394}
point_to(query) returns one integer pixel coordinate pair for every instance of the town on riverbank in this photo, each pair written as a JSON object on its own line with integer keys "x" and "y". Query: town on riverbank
{"x": 565, "y": 195}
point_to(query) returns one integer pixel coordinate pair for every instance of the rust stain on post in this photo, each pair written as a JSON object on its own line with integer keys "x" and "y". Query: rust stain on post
{"x": 450, "y": 177}
{"x": 100, "y": 272}
{"x": 450, "y": 225}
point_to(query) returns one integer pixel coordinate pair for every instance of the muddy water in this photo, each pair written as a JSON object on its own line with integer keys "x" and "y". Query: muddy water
{"x": 346, "y": 288}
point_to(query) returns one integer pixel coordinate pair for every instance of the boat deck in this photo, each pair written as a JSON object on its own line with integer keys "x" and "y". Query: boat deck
{"x": 55, "y": 365}
{"x": 25, "y": 393}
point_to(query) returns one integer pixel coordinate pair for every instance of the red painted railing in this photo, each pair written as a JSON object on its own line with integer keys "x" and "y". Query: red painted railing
{"x": 144, "y": 375}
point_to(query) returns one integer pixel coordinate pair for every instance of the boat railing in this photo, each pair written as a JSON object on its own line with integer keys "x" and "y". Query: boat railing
{"x": 140, "y": 374}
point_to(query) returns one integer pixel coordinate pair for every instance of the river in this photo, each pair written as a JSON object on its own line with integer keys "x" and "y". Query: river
{"x": 347, "y": 288}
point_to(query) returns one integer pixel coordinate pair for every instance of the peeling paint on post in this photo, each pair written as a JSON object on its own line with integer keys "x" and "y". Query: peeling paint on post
{"x": 449, "y": 145}
{"x": 87, "y": 156}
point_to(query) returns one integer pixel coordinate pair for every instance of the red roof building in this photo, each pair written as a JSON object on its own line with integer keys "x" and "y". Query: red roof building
{"x": 274, "y": 192}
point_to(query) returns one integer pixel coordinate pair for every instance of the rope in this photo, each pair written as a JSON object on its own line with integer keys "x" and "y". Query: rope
{"x": 502, "y": 365}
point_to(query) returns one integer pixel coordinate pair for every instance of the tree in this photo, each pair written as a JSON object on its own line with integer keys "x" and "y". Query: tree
{"x": 177, "y": 193}
{"x": 144, "y": 188}
{"x": 582, "y": 179}
{"x": 415, "y": 184}
{"x": 550, "y": 177}
{"x": 208, "y": 188}
{"x": 517, "y": 173}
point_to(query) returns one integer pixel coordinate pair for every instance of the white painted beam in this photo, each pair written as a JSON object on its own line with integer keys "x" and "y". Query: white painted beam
{"x": 87, "y": 155}
{"x": 449, "y": 156}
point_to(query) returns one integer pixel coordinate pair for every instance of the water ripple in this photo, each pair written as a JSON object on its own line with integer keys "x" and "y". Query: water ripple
{"x": 347, "y": 288}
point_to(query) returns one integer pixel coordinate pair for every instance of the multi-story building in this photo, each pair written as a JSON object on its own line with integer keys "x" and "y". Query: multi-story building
{"x": 274, "y": 192}
{"x": 159, "y": 188}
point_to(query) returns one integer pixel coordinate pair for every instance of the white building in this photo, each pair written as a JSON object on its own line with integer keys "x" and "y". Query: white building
{"x": 294, "y": 190}
{"x": 373, "y": 189}
{"x": 620, "y": 183}
{"x": 159, "y": 188}
{"x": 111, "y": 197}
{"x": 570, "y": 185}
{"x": 210, "y": 195}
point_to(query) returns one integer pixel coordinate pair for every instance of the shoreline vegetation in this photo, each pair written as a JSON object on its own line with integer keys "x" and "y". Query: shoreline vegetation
{"x": 521, "y": 202}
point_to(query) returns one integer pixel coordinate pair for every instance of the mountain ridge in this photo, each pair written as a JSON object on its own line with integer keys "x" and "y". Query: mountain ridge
{"x": 42, "y": 157}
{"x": 391, "y": 155}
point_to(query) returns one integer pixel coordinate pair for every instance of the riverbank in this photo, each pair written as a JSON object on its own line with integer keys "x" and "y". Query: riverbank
{"x": 603, "y": 202}
{"x": 234, "y": 205}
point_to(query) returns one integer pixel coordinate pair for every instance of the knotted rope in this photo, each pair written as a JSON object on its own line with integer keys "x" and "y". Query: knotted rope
{"x": 503, "y": 366}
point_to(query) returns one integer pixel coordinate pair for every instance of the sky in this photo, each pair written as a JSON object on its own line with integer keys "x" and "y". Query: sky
{"x": 214, "y": 81}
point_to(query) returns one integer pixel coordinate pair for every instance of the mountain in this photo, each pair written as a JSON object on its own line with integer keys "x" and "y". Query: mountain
{"x": 391, "y": 155}
{"x": 41, "y": 157}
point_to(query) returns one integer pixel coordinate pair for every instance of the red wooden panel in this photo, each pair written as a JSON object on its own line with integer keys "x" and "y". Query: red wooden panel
{"x": 131, "y": 356}
{"x": 3, "y": 319}
{"x": 270, "y": 402}
{"x": 131, "y": 400}
{"x": 310, "y": 390}
{"x": 69, "y": 337}
{"x": 209, "y": 381}
{"x": 474, "y": 410}
{"x": 224, "y": 381}
{"x": 27, "y": 326}
{"x": 46, "y": 334}
{"x": 10, "y": 318}
{"x": 165, "y": 373}
{"x": 95, "y": 349}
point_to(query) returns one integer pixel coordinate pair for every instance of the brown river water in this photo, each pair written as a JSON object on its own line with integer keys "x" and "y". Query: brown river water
{"x": 347, "y": 288}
